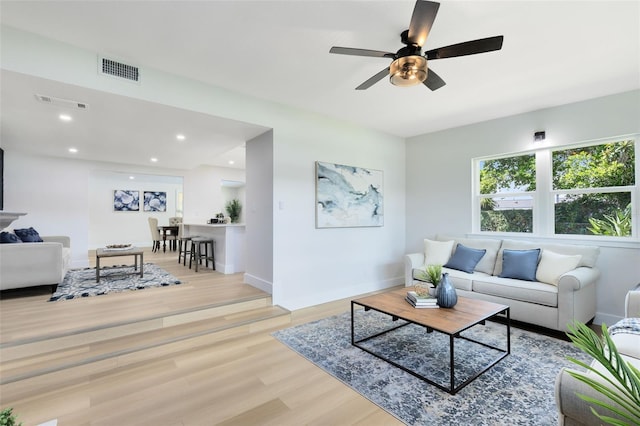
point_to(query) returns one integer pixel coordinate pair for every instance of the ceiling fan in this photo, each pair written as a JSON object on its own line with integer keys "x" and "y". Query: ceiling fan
{"x": 409, "y": 66}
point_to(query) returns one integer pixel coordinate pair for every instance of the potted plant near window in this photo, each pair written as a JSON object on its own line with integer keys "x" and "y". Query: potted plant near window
{"x": 233, "y": 210}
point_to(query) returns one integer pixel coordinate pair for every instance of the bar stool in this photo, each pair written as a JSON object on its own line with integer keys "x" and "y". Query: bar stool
{"x": 200, "y": 250}
{"x": 184, "y": 249}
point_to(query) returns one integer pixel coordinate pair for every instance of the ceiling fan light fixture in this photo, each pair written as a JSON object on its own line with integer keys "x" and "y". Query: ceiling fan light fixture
{"x": 408, "y": 71}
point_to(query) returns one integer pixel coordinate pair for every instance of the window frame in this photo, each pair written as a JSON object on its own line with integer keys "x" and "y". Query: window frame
{"x": 543, "y": 198}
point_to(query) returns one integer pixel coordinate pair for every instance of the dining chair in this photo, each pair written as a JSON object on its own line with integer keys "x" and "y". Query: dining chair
{"x": 155, "y": 234}
{"x": 175, "y": 238}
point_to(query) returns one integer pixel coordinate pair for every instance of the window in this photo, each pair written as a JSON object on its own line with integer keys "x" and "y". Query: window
{"x": 592, "y": 188}
{"x": 506, "y": 185}
{"x": 579, "y": 190}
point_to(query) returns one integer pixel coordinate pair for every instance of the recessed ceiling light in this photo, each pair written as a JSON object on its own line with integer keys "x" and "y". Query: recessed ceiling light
{"x": 154, "y": 160}
{"x": 180, "y": 137}
{"x": 132, "y": 177}
{"x": 231, "y": 162}
{"x": 73, "y": 150}
{"x": 64, "y": 117}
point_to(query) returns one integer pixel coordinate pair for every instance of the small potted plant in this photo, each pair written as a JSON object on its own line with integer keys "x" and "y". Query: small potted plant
{"x": 431, "y": 276}
{"x": 233, "y": 209}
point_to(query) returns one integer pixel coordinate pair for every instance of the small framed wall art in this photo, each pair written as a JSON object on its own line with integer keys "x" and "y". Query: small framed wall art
{"x": 348, "y": 196}
{"x": 126, "y": 200}
{"x": 155, "y": 201}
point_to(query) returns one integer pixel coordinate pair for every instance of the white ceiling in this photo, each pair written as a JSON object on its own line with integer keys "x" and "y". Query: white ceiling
{"x": 554, "y": 52}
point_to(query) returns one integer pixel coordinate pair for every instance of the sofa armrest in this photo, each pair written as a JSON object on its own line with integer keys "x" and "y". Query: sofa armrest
{"x": 411, "y": 261}
{"x": 64, "y": 240}
{"x": 571, "y": 406}
{"x": 577, "y": 296}
{"x": 632, "y": 303}
{"x": 29, "y": 264}
{"x": 578, "y": 279}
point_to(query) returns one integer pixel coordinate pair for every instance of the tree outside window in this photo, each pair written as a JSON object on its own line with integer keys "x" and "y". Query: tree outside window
{"x": 506, "y": 185}
{"x": 592, "y": 188}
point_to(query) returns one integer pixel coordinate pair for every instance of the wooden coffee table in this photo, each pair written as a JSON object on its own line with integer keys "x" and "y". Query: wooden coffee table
{"x": 450, "y": 321}
{"x": 133, "y": 251}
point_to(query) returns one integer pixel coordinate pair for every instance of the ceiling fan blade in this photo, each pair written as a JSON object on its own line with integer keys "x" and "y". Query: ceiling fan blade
{"x": 422, "y": 19}
{"x": 467, "y": 48}
{"x": 373, "y": 80}
{"x": 433, "y": 81}
{"x": 361, "y": 52}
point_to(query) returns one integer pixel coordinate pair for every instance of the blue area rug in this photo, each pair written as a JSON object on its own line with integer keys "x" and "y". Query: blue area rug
{"x": 113, "y": 279}
{"x": 518, "y": 390}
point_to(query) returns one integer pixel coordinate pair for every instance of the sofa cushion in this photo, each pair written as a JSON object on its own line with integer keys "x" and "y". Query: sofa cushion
{"x": 553, "y": 265}
{"x": 9, "y": 238}
{"x": 463, "y": 280}
{"x": 520, "y": 264}
{"x": 492, "y": 246}
{"x": 437, "y": 252}
{"x": 465, "y": 258}
{"x": 28, "y": 235}
{"x": 589, "y": 253}
{"x": 525, "y": 291}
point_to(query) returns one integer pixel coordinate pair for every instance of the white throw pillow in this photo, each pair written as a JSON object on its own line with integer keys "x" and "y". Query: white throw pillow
{"x": 553, "y": 265}
{"x": 437, "y": 252}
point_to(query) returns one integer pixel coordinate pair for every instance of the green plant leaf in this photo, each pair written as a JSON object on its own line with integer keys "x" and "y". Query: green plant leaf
{"x": 623, "y": 387}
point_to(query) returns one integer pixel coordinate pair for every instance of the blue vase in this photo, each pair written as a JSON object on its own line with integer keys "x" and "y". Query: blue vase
{"x": 447, "y": 296}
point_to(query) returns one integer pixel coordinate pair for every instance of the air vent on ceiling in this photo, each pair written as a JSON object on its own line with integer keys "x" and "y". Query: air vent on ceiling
{"x": 68, "y": 103}
{"x": 118, "y": 69}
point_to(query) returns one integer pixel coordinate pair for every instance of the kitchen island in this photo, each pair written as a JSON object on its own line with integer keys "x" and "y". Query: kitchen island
{"x": 229, "y": 244}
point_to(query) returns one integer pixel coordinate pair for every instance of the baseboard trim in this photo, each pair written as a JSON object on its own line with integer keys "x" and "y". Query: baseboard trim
{"x": 258, "y": 283}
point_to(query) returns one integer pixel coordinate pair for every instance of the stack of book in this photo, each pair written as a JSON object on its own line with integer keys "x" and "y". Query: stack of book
{"x": 421, "y": 301}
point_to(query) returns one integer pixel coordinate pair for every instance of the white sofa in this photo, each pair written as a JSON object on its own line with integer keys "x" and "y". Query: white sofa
{"x": 534, "y": 302}
{"x": 572, "y": 410}
{"x": 34, "y": 264}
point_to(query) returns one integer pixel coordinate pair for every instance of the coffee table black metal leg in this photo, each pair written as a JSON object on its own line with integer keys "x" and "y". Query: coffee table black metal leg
{"x": 353, "y": 337}
{"x": 141, "y": 265}
{"x": 97, "y": 269}
{"x": 452, "y": 365}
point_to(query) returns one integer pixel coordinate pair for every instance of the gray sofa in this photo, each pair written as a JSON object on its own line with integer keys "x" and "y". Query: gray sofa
{"x": 34, "y": 264}
{"x": 572, "y": 410}
{"x": 572, "y": 296}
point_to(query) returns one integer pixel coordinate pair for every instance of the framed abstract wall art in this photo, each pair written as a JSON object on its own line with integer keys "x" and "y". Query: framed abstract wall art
{"x": 155, "y": 201}
{"x": 125, "y": 200}
{"x": 348, "y": 196}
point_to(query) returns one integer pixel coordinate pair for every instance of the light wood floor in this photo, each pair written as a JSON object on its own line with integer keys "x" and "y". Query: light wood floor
{"x": 246, "y": 379}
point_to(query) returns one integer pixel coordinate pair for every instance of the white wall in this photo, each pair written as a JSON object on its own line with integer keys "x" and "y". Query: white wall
{"x": 439, "y": 178}
{"x": 259, "y": 212}
{"x": 203, "y": 193}
{"x": 310, "y": 266}
{"x": 54, "y": 194}
{"x": 75, "y": 198}
{"x": 107, "y": 226}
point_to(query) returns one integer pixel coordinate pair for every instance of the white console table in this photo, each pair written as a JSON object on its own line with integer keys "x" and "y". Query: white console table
{"x": 229, "y": 246}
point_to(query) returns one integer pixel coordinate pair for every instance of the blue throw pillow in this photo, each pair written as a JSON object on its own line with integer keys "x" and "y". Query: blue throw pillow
{"x": 465, "y": 258}
{"x": 9, "y": 238}
{"x": 28, "y": 235}
{"x": 520, "y": 264}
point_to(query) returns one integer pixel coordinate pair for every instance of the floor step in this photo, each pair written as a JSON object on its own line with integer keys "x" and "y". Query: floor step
{"x": 64, "y": 357}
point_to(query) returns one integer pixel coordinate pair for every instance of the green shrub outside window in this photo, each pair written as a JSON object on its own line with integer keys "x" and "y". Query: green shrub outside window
{"x": 591, "y": 187}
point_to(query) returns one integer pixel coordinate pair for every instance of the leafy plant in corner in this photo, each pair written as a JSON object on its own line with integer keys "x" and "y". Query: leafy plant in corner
{"x": 7, "y": 418}
{"x": 622, "y": 387}
{"x": 233, "y": 210}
